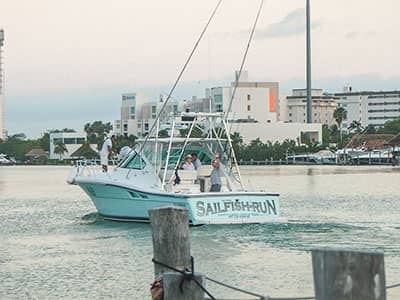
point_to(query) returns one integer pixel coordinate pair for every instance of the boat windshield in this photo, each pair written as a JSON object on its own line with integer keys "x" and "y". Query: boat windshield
{"x": 134, "y": 161}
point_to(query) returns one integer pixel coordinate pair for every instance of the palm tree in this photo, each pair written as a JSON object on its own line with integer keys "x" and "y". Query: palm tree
{"x": 339, "y": 115}
{"x": 237, "y": 142}
{"x": 356, "y": 125}
{"x": 60, "y": 149}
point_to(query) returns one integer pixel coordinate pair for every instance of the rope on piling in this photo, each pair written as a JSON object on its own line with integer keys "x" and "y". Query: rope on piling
{"x": 261, "y": 297}
{"x": 393, "y": 286}
{"x": 188, "y": 275}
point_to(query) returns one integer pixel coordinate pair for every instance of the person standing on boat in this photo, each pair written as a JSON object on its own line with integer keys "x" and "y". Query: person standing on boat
{"x": 188, "y": 165}
{"x": 215, "y": 177}
{"x": 196, "y": 161}
{"x": 106, "y": 151}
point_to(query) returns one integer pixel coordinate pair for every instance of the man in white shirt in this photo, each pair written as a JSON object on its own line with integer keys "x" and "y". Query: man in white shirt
{"x": 105, "y": 151}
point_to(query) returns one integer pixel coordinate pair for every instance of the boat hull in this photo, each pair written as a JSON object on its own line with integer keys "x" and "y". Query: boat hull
{"x": 120, "y": 203}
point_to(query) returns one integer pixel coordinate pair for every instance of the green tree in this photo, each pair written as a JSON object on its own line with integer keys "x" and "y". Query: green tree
{"x": 391, "y": 127}
{"x": 96, "y": 131}
{"x": 326, "y": 134}
{"x": 18, "y": 136}
{"x": 163, "y": 133}
{"x": 237, "y": 142}
{"x": 196, "y": 132}
{"x": 370, "y": 129}
{"x": 356, "y": 126}
{"x": 17, "y": 148}
{"x": 122, "y": 141}
{"x": 60, "y": 148}
{"x": 339, "y": 115}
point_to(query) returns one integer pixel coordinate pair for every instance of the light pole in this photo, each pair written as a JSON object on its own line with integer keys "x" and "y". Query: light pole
{"x": 309, "y": 90}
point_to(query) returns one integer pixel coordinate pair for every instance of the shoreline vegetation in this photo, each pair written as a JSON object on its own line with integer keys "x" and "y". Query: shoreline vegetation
{"x": 18, "y": 145}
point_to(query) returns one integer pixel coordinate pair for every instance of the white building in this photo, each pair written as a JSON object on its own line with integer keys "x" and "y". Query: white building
{"x": 3, "y": 133}
{"x": 254, "y": 111}
{"x": 254, "y": 101}
{"x": 72, "y": 141}
{"x": 369, "y": 107}
{"x": 138, "y": 113}
{"x": 293, "y": 108}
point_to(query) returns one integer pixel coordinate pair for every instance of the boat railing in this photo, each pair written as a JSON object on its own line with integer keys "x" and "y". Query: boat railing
{"x": 88, "y": 167}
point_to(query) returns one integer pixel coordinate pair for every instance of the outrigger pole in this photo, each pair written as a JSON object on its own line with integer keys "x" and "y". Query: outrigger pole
{"x": 243, "y": 62}
{"x": 179, "y": 76}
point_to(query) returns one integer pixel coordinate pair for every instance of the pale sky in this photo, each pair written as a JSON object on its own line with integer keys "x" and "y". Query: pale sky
{"x": 67, "y": 61}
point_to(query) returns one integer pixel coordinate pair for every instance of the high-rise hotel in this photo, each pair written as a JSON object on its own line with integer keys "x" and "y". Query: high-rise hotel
{"x": 2, "y": 129}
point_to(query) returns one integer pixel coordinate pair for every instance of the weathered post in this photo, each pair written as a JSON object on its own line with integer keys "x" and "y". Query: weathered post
{"x": 171, "y": 246}
{"x": 348, "y": 275}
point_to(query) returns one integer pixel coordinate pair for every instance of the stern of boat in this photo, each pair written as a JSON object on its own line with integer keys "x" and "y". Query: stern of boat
{"x": 235, "y": 208}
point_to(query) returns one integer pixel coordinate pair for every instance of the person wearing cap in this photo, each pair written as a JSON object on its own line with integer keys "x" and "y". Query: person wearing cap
{"x": 106, "y": 151}
{"x": 215, "y": 177}
{"x": 188, "y": 165}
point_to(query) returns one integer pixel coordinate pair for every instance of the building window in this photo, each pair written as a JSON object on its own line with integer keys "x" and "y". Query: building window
{"x": 133, "y": 111}
{"x": 218, "y": 107}
{"x": 268, "y": 121}
{"x": 125, "y": 127}
{"x": 248, "y": 107}
{"x": 175, "y": 108}
{"x": 146, "y": 126}
{"x": 290, "y": 114}
{"x": 248, "y": 97}
{"x": 80, "y": 140}
{"x": 217, "y": 99}
{"x": 139, "y": 125}
{"x": 69, "y": 141}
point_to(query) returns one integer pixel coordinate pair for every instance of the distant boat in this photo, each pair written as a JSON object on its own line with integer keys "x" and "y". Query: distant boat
{"x": 5, "y": 160}
{"x": 148, "y": 179}
{"x": 321, "y": 157}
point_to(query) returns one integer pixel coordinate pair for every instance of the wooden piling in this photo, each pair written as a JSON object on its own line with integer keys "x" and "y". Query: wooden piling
{"x": 171, "y": 246}
{"x": 348, "y": 275}
{"x": 170, "y": 232}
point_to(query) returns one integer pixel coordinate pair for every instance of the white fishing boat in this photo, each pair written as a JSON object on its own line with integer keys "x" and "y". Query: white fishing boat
{"x": 150, "y": 175}
{"x": 147, "y": 178}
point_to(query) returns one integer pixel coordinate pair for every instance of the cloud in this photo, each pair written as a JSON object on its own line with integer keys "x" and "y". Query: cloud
{"x": 359, "y": 34}
{"x": 294, "y": 23}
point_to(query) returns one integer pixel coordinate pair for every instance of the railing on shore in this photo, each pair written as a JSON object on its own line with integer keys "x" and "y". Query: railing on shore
{"x": 338, "y": 274}
{"x": 383, "y": 161}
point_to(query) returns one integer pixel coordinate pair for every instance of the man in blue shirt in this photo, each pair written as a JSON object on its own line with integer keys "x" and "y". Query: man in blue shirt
{"x": 196, "y": 161}
{"x": 215, "y": 177}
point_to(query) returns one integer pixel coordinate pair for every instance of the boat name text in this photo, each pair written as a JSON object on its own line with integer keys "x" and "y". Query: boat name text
{"x": 206, "y": 209}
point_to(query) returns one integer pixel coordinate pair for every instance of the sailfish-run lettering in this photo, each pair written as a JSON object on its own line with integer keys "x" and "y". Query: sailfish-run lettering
{"x": 213, "y": 208}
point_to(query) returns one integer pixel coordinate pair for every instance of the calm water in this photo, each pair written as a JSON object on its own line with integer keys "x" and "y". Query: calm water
{"x": 53, "y": 246}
